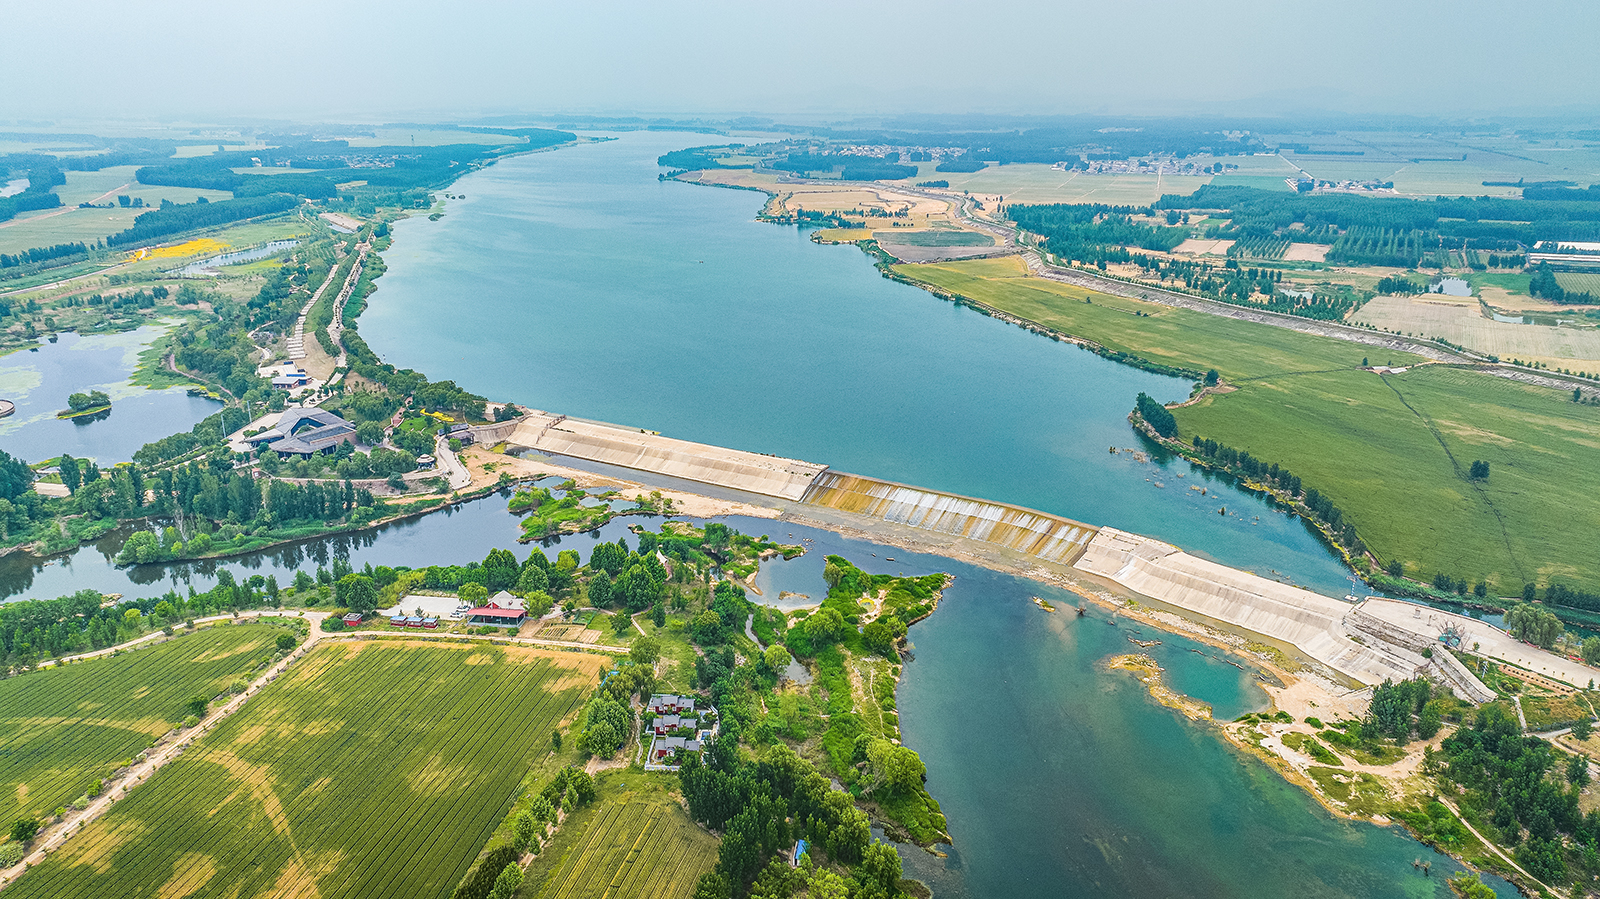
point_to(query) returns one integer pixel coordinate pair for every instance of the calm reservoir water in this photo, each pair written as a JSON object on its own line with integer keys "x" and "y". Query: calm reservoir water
{"x": 577, "y": 283}
{"x": 40, "y": 380}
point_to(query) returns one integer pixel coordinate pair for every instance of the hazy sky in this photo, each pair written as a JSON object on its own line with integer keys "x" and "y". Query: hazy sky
{"x": 367, "y": 61}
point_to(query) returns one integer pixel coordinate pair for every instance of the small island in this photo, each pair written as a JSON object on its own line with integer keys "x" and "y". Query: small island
{"x": 83, "y": 405}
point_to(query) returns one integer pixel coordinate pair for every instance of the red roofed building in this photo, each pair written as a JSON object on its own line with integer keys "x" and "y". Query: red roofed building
{"x": 502, "y": 610}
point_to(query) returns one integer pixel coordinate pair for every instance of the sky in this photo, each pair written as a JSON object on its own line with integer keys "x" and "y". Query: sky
{"x": 408, "y": 60}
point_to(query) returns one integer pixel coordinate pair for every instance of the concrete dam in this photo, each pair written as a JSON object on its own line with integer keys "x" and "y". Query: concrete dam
{"x": 1380, "y": 640}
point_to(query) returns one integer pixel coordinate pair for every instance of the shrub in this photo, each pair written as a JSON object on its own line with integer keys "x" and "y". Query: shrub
{"x": 286, "y": 641}
{"x": 25, "y": 829}
{"x": 11, "y": 853}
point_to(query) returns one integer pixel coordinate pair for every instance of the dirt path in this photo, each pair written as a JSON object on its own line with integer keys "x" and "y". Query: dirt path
{"x": 56, "y": 835}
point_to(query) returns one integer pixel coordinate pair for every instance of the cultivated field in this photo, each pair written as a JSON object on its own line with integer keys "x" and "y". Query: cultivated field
{"x": 370, "y": 769}
{"x": 636, "y": 842}
{"x": 1580, "y": 281}
{"x": 1461, "y": 321}
{"x": 1304, "y": 404}
{"x": 63, "y": 728}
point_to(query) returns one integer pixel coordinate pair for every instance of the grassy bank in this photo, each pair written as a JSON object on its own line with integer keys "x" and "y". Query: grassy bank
{"x": 1392, "y": 451}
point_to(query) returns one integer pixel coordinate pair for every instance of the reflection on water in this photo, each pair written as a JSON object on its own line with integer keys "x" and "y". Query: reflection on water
{"x": 40, "y": 379}
{"x": 209, "y": 266}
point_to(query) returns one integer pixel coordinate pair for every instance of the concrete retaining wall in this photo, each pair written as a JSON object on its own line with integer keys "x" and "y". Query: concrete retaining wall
{"x": 1310, "y": 622}
{"x": 647, "y": 451}
{"x": 1038, "y": 534}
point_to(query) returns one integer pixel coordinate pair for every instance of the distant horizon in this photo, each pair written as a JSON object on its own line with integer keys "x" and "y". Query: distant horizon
{"x": 299, "y": 60}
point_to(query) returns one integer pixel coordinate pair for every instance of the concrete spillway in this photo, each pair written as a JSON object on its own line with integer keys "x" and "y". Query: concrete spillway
{"x": 1310, "y": 622}
{"x": 648, "y": 451}
{"x": 1045, "y": 536}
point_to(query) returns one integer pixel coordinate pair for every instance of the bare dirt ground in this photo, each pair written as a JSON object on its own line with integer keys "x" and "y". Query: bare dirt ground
{"x": 1306, "y": 252}
{"x": 1462, "y": 320}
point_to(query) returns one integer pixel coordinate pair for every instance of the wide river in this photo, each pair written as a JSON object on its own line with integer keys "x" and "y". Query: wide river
{"x": 574, "y": 281}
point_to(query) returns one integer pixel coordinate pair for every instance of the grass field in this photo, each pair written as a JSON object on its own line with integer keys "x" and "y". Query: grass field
{"x": 61, "y": 729}
{"x": 634, "y": 842}
{"x": 1304, "y": 404}
{"x": 941, "y": 238}
{"x": 1178, "y": 337}
{"x": 1392, "y": 452}
{"x": 374, "y": 769}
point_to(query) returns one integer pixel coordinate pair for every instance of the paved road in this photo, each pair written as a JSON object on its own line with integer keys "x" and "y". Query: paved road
{"x": 459, "y": 477}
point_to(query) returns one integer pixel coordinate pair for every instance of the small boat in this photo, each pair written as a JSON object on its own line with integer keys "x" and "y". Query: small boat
{"x": 1145, "y": 644}
{"x": 1043, "y": 605}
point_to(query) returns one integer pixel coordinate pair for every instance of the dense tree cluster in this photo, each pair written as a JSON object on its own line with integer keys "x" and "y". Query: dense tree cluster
{"x": 1515, "y": 785}
{"x": 763, "y": 807}
{"x": 1156, "y": 415}
{"x": 43, "y": 254}
{"x": 1092, "y": 233}
{"x": 151, "y": 226}
{"x": 1488, "y": 223}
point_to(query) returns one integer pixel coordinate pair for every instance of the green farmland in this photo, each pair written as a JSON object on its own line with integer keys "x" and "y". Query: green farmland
{"x": 62, "y": 729}
{"x": 635, "y": 843}
{"x": 1393, "y": 453}
{"x": 1304, "y": 403}
{"x": 370, "y": 769}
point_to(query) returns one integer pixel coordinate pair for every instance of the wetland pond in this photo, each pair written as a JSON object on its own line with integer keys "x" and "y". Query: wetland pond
{"x": 40, "y": 379}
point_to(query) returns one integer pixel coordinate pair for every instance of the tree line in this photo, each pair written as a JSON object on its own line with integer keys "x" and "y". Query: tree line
{"x": 178, "y": 217}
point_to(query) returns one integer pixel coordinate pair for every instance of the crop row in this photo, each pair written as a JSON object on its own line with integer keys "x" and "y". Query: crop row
{"x": 64, "y": 727}
{"x": 392, "y": 769}
{"x": 635, "y": 848}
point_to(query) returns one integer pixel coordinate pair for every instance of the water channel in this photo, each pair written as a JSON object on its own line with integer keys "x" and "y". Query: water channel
{"x": 575, "y": 282}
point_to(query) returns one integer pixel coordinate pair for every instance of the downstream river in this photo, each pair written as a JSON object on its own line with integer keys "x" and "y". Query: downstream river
{"x": 574, "y": 281}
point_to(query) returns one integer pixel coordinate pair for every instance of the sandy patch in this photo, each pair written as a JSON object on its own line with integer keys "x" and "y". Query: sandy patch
{"x": 478, "y": 658}
{"x": 1307, "y": 252}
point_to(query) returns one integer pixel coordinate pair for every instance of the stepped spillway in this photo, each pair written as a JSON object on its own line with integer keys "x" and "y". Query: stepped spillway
{"x": 1038, "y": 534}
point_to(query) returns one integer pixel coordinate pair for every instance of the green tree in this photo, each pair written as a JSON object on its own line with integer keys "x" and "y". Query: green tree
{"x": 196, "y": 706}
{"x": 369, "y": 433}
{"x": 645, "y": 651}
{"x": 532, "y": 579}
{"x": 474, "y": 593}
{"x": 1533, "y": 624}
{"x": 285, "y": 642}
{"x": 776, "y": 659}
{"x": 508, "y": 882}
{"x": 527, "y": 826}
{"x": 25, "y": 829}
{"x": 897, "y": 769}
{"x": 1591, "y": 650}
{"x": 1583, "y": 729}
{"x": 1578, "y": 771}
{"x": 70, "y": 475}
{"x": 357, "y": 593}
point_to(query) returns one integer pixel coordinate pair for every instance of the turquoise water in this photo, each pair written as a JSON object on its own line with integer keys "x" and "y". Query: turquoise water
{"x": 576, "y": 282}
{"x": 1061, "y": 779}
{"x": 40, "y": 380}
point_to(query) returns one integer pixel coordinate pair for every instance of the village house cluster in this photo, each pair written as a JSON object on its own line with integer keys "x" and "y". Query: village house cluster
{"x": 677, "y": 727}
